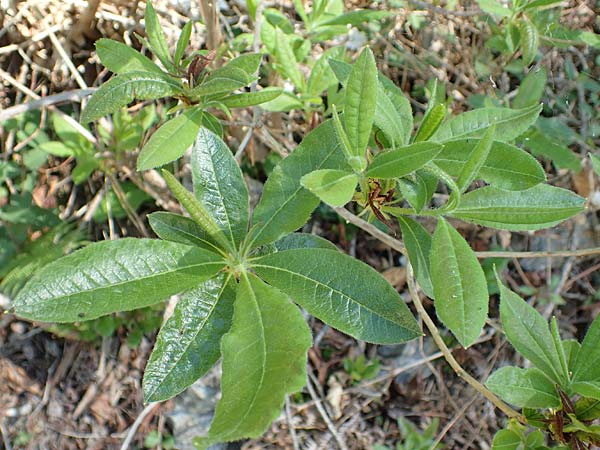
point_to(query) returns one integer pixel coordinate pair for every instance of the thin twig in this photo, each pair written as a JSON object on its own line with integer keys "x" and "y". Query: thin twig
{"x": 442, "y": 11}
{"x": 131, "y": 433}
{"x": 49, "y": 100}
{"x": 288, "y": 418}
{"x": 462, "y": 373}
{"x": 5, "y": 437}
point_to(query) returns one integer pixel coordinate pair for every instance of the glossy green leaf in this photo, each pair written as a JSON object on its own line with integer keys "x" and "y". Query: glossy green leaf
{"x": 476, "y": 160}
{"x": 171, "y": 140}
{"x": 334, "y": 187}
{"x": 287, "y": 60}
{"x": 342, "y": 291}
{"x": 506, "y": 166}
{"x": 251, "y": 98}
{"x": 510, "y": 123}
{"x": 530, "y": 40}
{"x": 188, "y": 344}
{"x": 121, "y": 90}
{"x": 360, "y": 102}
{"x": 111, "y": 276}
{"x": 418, "y": 245}
{"x": 285, "y": 205}
{"x": 523, "y": 387}
{"x": 356, "y": 17}
{"x": 431, "y": 122}
{"x": 587, "y": 364}
{"x": 267, "y": 343}
{"x": 182, "y": 42}
{"x": 531, "y": 89}
{"x": 402, "y": 161}
{"x": 156, "y": 37}
{"x": 121, "y": 58}
{"x": 176, "y": 228}
{"x": 541, "y": 206}
{"x": 459, "y": 284}
{"x": 303, "y": 240}
{"x": 220, "y": 186}
{"x": 528, "y": 332}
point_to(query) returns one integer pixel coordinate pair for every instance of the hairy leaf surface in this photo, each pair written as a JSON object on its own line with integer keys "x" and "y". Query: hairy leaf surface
{"x": 120, "y": 58}
{"x": 176, "y": 228}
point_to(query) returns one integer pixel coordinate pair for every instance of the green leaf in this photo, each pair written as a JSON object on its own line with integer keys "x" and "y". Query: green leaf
{"x": 418, "y": 245}
{"x": 356, "y": 17}
{"x": 595, "y": 163}
{"x": 431, "y": 122}
{"x": 287, "y": 60}
{"x": 360, "y": 103}
{"x": 528, "y": 332}
{"x": 459, "y": 284}
{"x": 181, "y": 229}
{"x": 494, "y": 7}
{"x": 476, "y": 160}
{"x": 251, "y": 98}
{"x": 188, "y": 344}
{"x": 156, "y": 37}
{"x": 589, "y": 389}
{"x": 334, "y": 187}
{"x": 532, "y": 4}
{"x": 267, "y": 343}
{"x": 171, "y": 140}
{"x": 418, "y": 191}
{"x": 561, "y": 156}
{"x": 402, "y": 104}
{"x": 531, "y": 89}
{"x": 510, "y": 123}
{"x": 111, "y": 276}
{"x": 182, "y": 42}
{"x": 541, "y": 206}
{"x": 528, "y": 388}
{"x": 222, "y": 82}
{"x": 303, "y": 240}
{"x": 560, "y": 349}
{"x": 56, "y": 148}
{"x": 121, "y": 58}
{"x": 121, "y": 90}
{"x": 248, "y": 62}
{"x": 404, "y": 160}
{"x": 530, "y": 40}
{"x": 285, "y": 205}
{"x": 342, "y": 291}
{"x": 571, "y": 348}
{"x": 506, "y": 439}
{"x": 219, "y": 185}
{"x": 506, "y": 166}
{"x": 321, "y": 76}
{"x": 587, "y": 409}
{"x": 587, "y": 364}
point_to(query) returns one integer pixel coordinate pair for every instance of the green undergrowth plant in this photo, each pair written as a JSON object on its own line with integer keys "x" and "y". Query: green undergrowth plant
{"x": 415, "y": 439}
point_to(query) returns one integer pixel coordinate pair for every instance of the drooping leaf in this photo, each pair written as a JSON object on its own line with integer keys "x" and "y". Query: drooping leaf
{"x": 459, "y": 284}
{"x": 171, "y": 140}
{"x": 251, "y": 98}
{"x": 121, "y": 58}
{"x": 219, "y": 185}
{"x": 267, "y": 343}
{"x": 334, "y": 187}
{"x": 476, "y": 160}
{"x": 523, "y": 387}
{"x": 342, "y": 291}
{"x": 121, "y": 90}
{"x": 510, "y": 123}
{"x": 541, "y": 206}
{"x": 404, "y": 160}
{"x": 506, "y": 167}
{"x": 418, "y": 245}
{"x": 587, "y": 363}
{"x": 176, "y": 228}
{"x": 303, "y": 240}
{"x": 528, "y": 332}
{"x": 111, "y": 276}
{"x": 156, "y": 37}
{"x": 285, "y": 205}
{"x": 189, "y": 342}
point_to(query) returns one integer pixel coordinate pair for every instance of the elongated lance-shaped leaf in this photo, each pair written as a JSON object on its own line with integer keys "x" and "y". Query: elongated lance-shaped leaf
{"x": 530, "y": 40}
{"x": 342, "y": 291}
{"x": 560, "y": 349}
{"x": 476, "y": 159}
{"x": 251, "y": 98}
{"x": 267, "y": 343}
{"x": 248, "y": 62}
{"x": 171, "y": 140}
{"x": 197, "y": 211}
{"x": 285, "y": 205}
{"x": 189, "y": 343}
{"x": 587, "y": 363}
{"x": 541, "y": 206}
{"x": 121, "y": 90}
{"x": 404, "y": 160}
{"x": 353, "y": 161}
{"x": 219, "y": 185}
{"x": 510, "y": 123}
{"x": 459, "y": 284}
{"x": 359, "y": 104}
{"x": 528, "y": 333}
{"x": 235, "y": 78}
{"x": 334, "y": 187}
{"x": 287, "y": 60}
{"x": 418, "y": 245}
{"x": 400, "y": 102}
{"x": 525, "y": 388}
{"x": 111, "y": 276}
{"x": 431, "y": 122}
{"x": 120, "y": 58}
{"x": 176, "y": 228}
{"x": 156, "y": 37}
{"x": 182, "y": 42}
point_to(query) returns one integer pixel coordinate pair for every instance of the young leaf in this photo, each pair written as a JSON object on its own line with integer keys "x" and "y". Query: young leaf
{"x": 342, "y": 291}
{"x": 402, "y": 161}
{"x": 528, "y": 332}
{"x": 111, "y": 276}
{"x": 219, "y": 185}
{"x": 248, "y": 62}
{"x": 506, "y": 167}
{"x": 171, "y": 140}
{"x": 418, "y": 245}
{"x": 505, "y": 439}
{"x": 156, "y": 37}
{"x": 402, "y": 104}
{"x": 189, "y": 342}
{"x": 431, "y": 122}
{"x": 251, "y": 98}
{"x": 510, "y": 123}
{"x": 176, "y": 228}
{"x": 560, "y": 349}
{"x": 285, "y": 205}
{"x": 459, "y": 284}
{"x": 587, "y": 364}
{"x": 387, "y": 118}
{"x": 528, "y": 388}
{"x": 268, "y": 341}
{"x": 541, "y": 206}
{"x": 121, "y": 90}
{"x": 530, "y": 40}
{"x": 476, "y": 160}
{"x": 182, "y": 42}
{"x": 120, "y": 58}
{"x": 360, "y": 101}
{"x": 334, "y": 187}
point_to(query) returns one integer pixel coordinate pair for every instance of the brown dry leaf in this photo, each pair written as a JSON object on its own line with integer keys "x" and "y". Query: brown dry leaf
{"x": 396, "y": 276}
{"x": 584, "y": 181}
{"x": 16, "y": 379}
